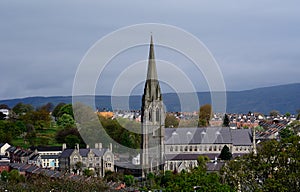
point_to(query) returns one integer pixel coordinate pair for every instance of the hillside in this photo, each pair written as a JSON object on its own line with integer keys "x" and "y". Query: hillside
{"x": 284, "y": 98}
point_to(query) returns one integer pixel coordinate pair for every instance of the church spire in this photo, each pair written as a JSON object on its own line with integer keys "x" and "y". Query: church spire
{"x": 152, "y": 73}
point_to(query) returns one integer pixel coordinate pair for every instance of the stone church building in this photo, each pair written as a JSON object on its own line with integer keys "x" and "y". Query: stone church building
{"x": 178, "y": 148}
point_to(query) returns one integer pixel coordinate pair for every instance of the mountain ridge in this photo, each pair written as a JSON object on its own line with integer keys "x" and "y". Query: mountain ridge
{"x": 284, "y": 98}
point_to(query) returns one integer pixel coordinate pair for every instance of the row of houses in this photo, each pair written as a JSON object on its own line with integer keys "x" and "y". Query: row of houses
{"x": 61, "y": 158}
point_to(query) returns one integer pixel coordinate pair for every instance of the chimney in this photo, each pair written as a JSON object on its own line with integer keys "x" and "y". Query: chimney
{"x": 110, "y": 146}
{"x": 99, "y": 146}
{"x": 77, "y": 146}
{"x": 64, "y": 146}
{"x": 96, "y": 145}
{"x": 87, "y": 146}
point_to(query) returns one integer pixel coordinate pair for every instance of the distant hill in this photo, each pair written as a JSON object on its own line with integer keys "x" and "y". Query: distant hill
{"x": 284, "y": 98}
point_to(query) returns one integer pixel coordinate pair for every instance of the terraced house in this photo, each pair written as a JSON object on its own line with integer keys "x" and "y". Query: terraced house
{"x": 97, "y": 159}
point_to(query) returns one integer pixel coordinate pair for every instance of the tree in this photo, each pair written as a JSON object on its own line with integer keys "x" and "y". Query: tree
{"x": 202, "y": 160}
{"x": 72, "y": 140}
{"x": 66, "y": 109}
{"x": 129, "y": 180}
{"x": 88, "y": 172}
{"x": 57, "y": 109}
{"x": 286, "y": 133}
{"x": 171, "y": 121}
{"x": 205, "y": 114}
{"x": 66, "y": 121}
{"x": 274, "y": 113}
{"x": 226, "y": 121}
{"x": 21, "y": 108}
{"x": 47, "y": 107}
{"x": 275, "y": 167}
{"x": 225, "y": 153}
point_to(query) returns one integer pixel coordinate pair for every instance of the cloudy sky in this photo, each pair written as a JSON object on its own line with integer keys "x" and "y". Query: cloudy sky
{"x": 255, "y": 43}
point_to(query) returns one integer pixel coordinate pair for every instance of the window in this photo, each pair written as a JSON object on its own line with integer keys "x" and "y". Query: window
{"x": 181, "y": 148}
{"x": 210, "y": 148}
{"x": 171, "y": 148}
{"x": 157, "y": 115}
{"x": 176, "y": 148}
{"x": 150, "y": 115}
{"x": 108, "y": 159}
{"x": 191, "y": 148}
{"x": 195, "y": 149}
{"x": 186, "y": 148}
{"x": 75, "y": 159}
{"x": 215, "y": 148}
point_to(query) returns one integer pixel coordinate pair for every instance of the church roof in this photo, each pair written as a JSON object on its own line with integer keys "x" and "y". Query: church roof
{"x": 207, "y": 135}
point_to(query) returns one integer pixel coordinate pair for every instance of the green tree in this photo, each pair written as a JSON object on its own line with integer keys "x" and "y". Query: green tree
{"x": 226, "y": 121}
{"x": 72, "y": 140}
{"x": 57, "y": 109}
{"x": 21, "y": 108}
{"x": 66, "y": 121}
{"x": 275, "y": 167}
{"x": 285, "y": 133}
{"x": 88, "y": 172}
{"x": 66, "y": 109}
{"x": 225, "y": 153}
{"x": 129, "y": 180}
{"x": 205, "y": 114}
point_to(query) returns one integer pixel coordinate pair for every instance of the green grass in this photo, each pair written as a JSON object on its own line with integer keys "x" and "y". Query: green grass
{"x": 43, "y": 137}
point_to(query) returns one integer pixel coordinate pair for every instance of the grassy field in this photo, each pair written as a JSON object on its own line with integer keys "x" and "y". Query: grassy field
{"x": 45, "y": 137}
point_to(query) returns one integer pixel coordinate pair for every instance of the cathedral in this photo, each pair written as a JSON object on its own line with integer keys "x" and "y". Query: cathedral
{"x": 178, "y": 148}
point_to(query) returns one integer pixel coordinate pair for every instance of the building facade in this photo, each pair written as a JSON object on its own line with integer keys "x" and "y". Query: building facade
{"x": 178, "y": 149}
{"x": 97, "y": 159}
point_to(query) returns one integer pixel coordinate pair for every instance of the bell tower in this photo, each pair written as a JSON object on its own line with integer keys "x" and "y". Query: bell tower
{"x": 153, "y": 120}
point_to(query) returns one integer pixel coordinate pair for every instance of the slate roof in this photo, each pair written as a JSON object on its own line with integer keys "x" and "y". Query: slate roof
{"x": 34, "y": 157}
{"x": 46, "y": 148}
{"x": 11, "y": 149}
{"x": 207, "y": 135}
{"x": 66, "y": 153}
{"x": 241, "y": 137}
{"x": 83, "y": 152}
{"x": 49, "y": 156}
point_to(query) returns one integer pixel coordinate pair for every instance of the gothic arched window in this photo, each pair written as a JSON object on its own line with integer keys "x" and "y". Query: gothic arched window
{"x": 157, "y": 115}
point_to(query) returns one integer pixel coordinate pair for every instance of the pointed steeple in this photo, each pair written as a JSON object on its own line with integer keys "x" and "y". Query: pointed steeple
{"x": 152, "y": 73}
{"x": 152, "y": 89}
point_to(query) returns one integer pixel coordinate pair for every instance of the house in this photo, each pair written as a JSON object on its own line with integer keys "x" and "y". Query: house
{"x": 97, "y": 159}
{"x": 4, "y": 166}
{"x": 47, "y": 156}
{"x": 5, "y": 112}
{"x": 3, "y": 148}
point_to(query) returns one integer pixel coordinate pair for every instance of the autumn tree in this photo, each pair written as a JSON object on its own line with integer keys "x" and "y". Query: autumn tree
{"x": 205, "y": 114}
{"x": 171, "y": 121}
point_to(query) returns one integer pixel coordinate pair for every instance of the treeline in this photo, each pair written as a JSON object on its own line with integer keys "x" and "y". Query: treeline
{"x": 54, "y": 125}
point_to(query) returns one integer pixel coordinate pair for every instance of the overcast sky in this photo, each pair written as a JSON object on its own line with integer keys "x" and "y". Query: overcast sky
{"x": 256, "y": 43}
